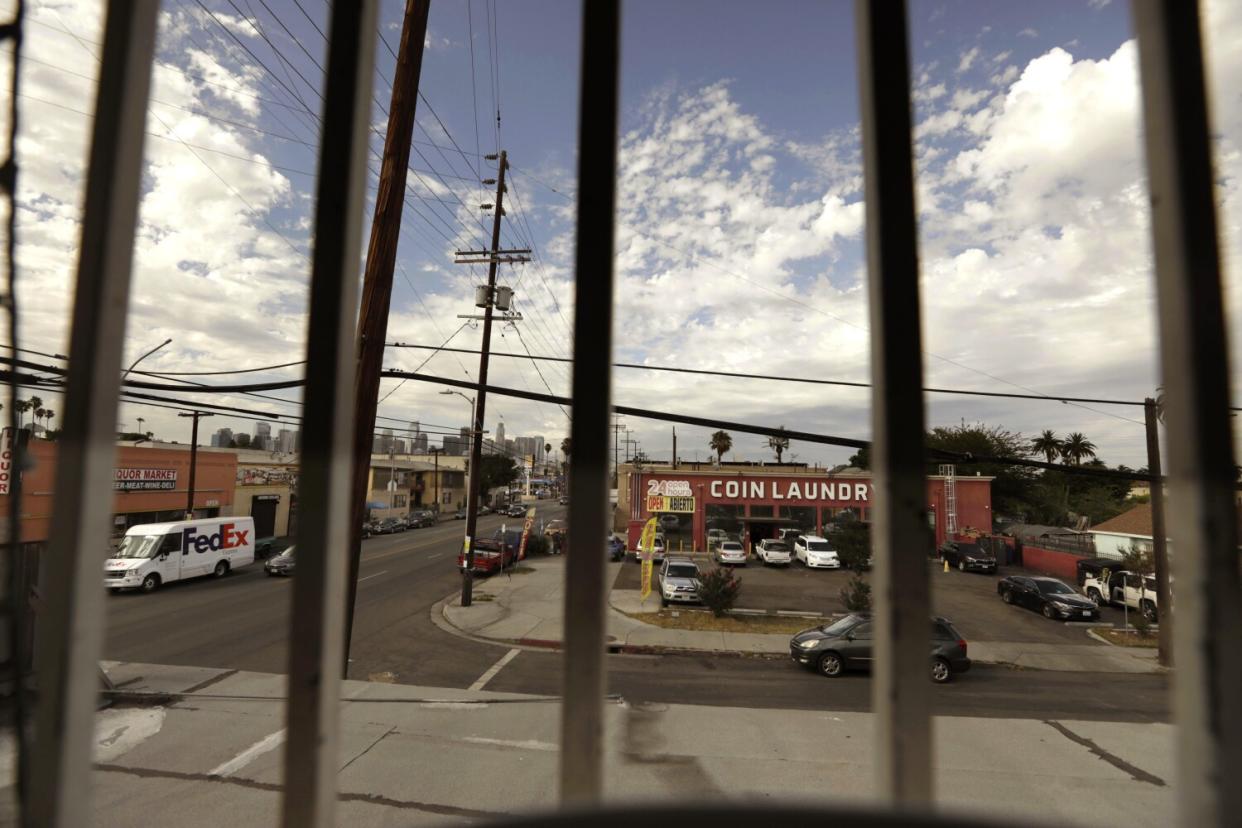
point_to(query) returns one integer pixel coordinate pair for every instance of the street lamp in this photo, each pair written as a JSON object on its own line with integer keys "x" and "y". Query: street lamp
{"x": 144, "y": 356}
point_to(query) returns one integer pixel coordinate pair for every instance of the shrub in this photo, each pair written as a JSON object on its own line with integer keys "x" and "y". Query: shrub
{"x": 852, "y": 540}
{"x": 856, "y": 595}
{"x": 1140, "y": 623}
{"x": 718, "y": 589}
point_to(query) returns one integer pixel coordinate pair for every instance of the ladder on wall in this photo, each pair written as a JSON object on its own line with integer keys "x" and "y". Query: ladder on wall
{"x": 949, "y": 472}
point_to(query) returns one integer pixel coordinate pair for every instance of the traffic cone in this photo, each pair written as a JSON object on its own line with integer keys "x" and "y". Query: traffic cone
{"x": 946, "y": 564}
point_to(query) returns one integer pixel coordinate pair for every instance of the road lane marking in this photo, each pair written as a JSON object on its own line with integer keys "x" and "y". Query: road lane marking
{"x": 494, "y": 669}
{"x": 438, "y": 554}
{"x": 376, "y": 575}
{"x": 265, "y": 745}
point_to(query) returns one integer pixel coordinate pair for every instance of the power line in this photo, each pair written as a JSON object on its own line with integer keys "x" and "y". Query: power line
{"x": 806, "y": 380}
{"x": 424, "y": 362}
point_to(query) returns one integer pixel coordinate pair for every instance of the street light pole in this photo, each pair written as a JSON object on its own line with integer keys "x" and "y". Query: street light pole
{"x": 133, "y": 364}
{"x": 189, "y": 501}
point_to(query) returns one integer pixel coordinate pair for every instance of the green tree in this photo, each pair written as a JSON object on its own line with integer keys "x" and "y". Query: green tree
{"x": 1012, "y": 486}
{"x": 856, "y": 594}
{"x": 21, "y": 406}
{"x": 720, "y": 443}
{"x": 1047, "y": 444}
{"x": 39, "y": 413}
{"x": 1077, "y": 448}
{"x": 778, "y": 445}
{"x": 861, "y": 459}
{"x": 496, "y": 470}
{"x": 852, "y": 540}
{"x": 48, "y": 415}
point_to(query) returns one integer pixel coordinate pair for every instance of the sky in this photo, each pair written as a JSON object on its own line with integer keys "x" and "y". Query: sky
{"x": 740, "y": 213}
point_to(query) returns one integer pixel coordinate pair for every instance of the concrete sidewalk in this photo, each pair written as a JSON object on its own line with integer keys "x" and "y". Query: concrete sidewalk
{"x": 528, "y": 609}
{"x": 201, "y": 747}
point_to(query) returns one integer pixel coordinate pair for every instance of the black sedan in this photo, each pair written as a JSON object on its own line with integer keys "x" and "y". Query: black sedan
{"x": 845, "y": 644}
{"x": 968, "y": 557}
{"x": 282, "y": 564}
{"x": 1047, "y": 595}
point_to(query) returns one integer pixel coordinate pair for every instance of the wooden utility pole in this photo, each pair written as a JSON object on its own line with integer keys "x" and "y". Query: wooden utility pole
{"x": 189, "y": 499}
{"x": 1159, "y": 545}
{"x": 377, "y": 281}
{"x": 476, "y": 444}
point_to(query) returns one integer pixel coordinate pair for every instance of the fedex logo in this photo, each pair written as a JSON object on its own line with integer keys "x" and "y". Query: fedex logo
{"x": 226, "y": 538}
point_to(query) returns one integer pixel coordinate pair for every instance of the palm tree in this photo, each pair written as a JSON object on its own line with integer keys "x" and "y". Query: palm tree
{"x": 1077, "y": 448}
{"x": 1048, "y": 444}
{"x": 720, "y": 443}
{"x": 778, "y": 445}
{"x": 39, "y": 412}
{"x": 22, "y": 407}
{"x": 565, "y": 446}
{"x": 47, "y": 416}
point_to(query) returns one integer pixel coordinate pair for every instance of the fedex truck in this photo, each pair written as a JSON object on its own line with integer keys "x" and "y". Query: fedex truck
{"x": 156, "y": 553}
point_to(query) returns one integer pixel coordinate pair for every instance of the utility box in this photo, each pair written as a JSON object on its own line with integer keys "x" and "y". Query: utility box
{"x": 481, "y": 295}
{"x": 504, "y": 298}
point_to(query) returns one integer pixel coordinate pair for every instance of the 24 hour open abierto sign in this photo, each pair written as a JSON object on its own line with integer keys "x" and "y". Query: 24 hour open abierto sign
{"x": 145, "y": 480}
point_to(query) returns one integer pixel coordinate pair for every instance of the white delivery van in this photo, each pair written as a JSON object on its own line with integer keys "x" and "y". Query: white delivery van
{"x": 156, "y": 553}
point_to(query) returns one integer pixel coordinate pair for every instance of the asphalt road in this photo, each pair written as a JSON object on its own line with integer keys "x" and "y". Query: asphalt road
{"x": 242, "y": 622}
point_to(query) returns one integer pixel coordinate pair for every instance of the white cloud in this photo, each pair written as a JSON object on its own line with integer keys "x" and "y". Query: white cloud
{"x": 967, "y": 59}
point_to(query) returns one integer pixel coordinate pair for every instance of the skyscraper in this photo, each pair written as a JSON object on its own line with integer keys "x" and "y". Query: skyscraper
{"x": 222, "y": 438}
{"x": 262, "y": 438}
{"x": 500, "y": 433}
{"x": 286, "y": 441}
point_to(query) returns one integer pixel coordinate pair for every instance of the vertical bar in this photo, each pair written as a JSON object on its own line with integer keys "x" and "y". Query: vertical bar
{"x": 1159, "y": 535}
{"x": 900, "y": 696}
{"x": 1194, "y": 365}
{"x": 582, "y": 709}
{"x": 70, "y": 631}
{"x": 317, "y": 626}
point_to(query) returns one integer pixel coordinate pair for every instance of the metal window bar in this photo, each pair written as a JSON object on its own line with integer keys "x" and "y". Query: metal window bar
{"x": 900, "y": 696}
{"x": 317, "y": 624}
{"x": 1207, "y": 686}
{"x": 582, "y": 706}
{"x": 70, "y": 632}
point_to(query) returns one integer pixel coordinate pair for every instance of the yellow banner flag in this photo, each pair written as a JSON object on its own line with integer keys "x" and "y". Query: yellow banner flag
{"x": 646, "y": 545}
{"x": 646, "y": 589}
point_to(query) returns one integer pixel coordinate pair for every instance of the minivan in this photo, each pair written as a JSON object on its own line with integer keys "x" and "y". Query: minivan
{"x": 156, "y": 553}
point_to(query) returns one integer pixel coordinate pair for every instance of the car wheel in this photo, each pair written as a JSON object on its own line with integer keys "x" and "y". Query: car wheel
{"x": 114, "y": 590}
{"x": 1094, "y": 595}
{"x": 663, "y": 602}
{"x": 151, "y": 583}
{"x": 222, "y": 569}
{"x": 1047, "y": 610}
{"x": 830, "y": 665}
{"x": 961, "y": 566}
{"x": 940, "y": 670}
{"x": 1007, "y": 596}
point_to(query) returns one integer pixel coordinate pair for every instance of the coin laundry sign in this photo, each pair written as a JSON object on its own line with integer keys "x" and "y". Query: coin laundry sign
{"x": 669, "y": 496}
{"x": 145, "y": 480}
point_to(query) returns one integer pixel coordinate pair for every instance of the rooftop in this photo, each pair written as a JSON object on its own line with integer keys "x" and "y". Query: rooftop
{"x": 1136, "y": 521}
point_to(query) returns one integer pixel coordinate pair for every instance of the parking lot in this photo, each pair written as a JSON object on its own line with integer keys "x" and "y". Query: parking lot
{"x": 969, "y": 600}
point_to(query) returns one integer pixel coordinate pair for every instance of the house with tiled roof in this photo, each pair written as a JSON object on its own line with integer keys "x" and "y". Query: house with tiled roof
{"x": 1129, "y": 530}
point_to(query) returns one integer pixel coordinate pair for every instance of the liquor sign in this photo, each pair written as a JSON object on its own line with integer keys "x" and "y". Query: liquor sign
{"x": 6, "y": 461}
{"x": 665, "y": 503}
{"x": 530, "y": 521}
{"x": 145, "y": 480}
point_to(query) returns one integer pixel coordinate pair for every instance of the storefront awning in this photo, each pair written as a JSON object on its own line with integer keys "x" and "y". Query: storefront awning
{"x": 756, "y": 519}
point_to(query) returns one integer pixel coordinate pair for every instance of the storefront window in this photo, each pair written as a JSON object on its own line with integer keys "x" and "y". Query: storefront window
{"x": 803, "y": 517}
{"x": 726, "y": 517}
{"x": 761, "y": 511}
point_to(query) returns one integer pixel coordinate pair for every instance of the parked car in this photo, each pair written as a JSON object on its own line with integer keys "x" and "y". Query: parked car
{"x": 460, "y": 514}
{"x": 389, "y": 526}
{"x": 484, "y": 509}
{"x": 1094, "y": 566}
{"x": 679, "y": 581}
{"x": 771, "y": 551}
{"x": 554, "y": 528}
{"x": 490, "y": 556}
{"x": 657, "y": 549}
{"x": 616, "y": 548}
{"x": 730, "y": 552}
{"x": 715, "y": 536}
{"x": 511, "y": 538}
{"x": 281, "y": 564}
{"x": 845, "y": 644}
{"x": 516, "y": 510}
{"x": 1047, "y": 595}
{"x": 968, "y": 557}
{"x": 368, "y": 529}
{"x": 816, "y": 552}
{"x": 564, "y": 501}
{"x": 422, "y": 519}
{"x": 1138, "y": 592}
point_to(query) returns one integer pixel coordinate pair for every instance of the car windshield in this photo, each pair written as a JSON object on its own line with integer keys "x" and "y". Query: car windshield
{"x": 839, "y": 626}
{"x": 138, "y": 546}
{"x": 683, "y": 571}
{"x": 1054, "y": 588}
{"x": 287, "y": 555}
{"x": 818, "y": 546}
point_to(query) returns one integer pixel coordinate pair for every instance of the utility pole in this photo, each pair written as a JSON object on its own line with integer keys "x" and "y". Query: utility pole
{"x": 377, "y": 280}
{"x": 189, "y": 500}
{"x": 489, "y": 298}
{"x": 617, "y": 428}
{"x": 674, "y": 446}
{"x": 1160, "y": 551}
{"x": 435, "y": 475}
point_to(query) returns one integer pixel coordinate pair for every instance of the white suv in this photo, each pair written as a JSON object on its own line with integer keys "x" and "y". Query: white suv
{"x": 773, "y": 552}
{"x": 816, "y": 552}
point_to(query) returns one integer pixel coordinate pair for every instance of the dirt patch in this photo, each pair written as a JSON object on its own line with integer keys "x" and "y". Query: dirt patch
{"x": 699, "y": 620}
{"x": 1129, "y": 638}
{"x": 520, "y": 570}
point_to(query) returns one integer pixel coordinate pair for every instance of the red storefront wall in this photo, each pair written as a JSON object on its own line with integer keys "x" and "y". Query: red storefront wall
{"x": 973, "y": 496}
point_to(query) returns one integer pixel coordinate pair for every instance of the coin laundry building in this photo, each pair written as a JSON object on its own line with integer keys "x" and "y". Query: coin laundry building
{"x": 757, "y": 501}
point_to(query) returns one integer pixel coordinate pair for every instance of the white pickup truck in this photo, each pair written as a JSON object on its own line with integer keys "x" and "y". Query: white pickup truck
{"x": 1123, "y": 588}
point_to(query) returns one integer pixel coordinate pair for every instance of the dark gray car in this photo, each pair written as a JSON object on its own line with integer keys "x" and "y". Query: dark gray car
{"x": 845, "y": 644}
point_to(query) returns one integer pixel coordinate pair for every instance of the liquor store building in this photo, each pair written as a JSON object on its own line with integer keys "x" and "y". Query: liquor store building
{"x": 755, "y": 502}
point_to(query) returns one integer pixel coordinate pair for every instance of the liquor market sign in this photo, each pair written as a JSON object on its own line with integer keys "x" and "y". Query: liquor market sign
{"x": 145, "y": 480}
